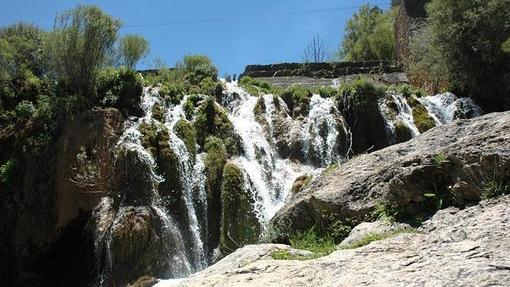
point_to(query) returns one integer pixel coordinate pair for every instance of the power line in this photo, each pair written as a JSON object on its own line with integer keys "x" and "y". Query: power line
{"x": 221, "y": 20}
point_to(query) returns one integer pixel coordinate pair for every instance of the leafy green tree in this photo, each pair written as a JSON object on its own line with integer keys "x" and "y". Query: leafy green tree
{"x": 466, "y": 39}
{"x": 369, "y": 35}
{"x": 197, "y": 68}
{"x": 78, "y": 45}
{"x": 133, "y": 48}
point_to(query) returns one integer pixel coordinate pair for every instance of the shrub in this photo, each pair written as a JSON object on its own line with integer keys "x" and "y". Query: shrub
{"x": 256, "y": 87}
{"x": 211, "y": 88}
{"x": 7, "y": 171}
{"x": 310, "y": 240}
{"x": 172, "y": 93}
{"x": 120, "y": 88}
{"x": 24, "y": 110}
{"x": 327, "y": 91}
{"x": 359, "y": 93}
{"x": 297, "y": 99}
{"x": 78, "y": 46}
{"x": 494, "y": 188}
{"x": 158, "y": 113}
{"x": 197, "y": 68}
{"x": 369, "y": 35}
{"x": 191, "y": 103}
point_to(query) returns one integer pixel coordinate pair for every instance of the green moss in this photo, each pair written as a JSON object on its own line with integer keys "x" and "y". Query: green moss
{"x": 331, "y": 168}
{"x": 191, "y": 104}
{"x": 185, "y": 131}
{"x": 211, "y": 88}
{"x": 422, "y": 120}
{"x": 402, "y": 132}
{"x": 211, "y": 120}
{"x": 239, "y": 224}
{"x": 369, "y": 238}
{"x": 158, "y": 112}
{"x": 214, "y": 163}
{"x": 297, "y": 99}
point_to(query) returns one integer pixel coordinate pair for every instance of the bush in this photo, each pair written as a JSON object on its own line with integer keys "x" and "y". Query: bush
{"x": 466, "y": 40}
{"x": 7, "y": 171}
{"x": 369, "y": 35}
{"x": 359, "y": 93}
{"x": 256, "y": 87}
{"x": 119, "y": 88}
{"x": 78, "y": 46}
{"x": 190, "y": 105}
{"x": 297, "y": 99}
{"x": 172, "y": 93}
{"x": 197, "y": 68}
{"x": 24, "y": 110}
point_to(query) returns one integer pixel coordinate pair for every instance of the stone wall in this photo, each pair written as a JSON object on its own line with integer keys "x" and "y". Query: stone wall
{"x": 321, "y": 70}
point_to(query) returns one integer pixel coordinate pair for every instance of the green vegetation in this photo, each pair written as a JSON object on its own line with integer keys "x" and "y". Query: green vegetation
{"x": 185, "y": 131}
{"x": 239, "y": 224}
{"x": 422, "y": 120}
{"x": 309, "y": 240}
{"x": 359, "y": 93}
{"x": 369, "y": 238}
{"x": 119, "y": 88}
{"x": 78, "y": 46}
{"x": 211, "y": 119}
{"x": 369, "y": 35}
{"x": 297, "y": 99}
{"x": 158, "y": 112}
{"x": 494, "y": 188}
{"x": 256, "y": 87}
{"x": 402, "y": 132}
{"x": 440, "y": 159}
{"x": 461, "y": 45}
{"x": 133, "y": 48}
{"x": 191, "y": 104}
{"x": 7, "y": 172}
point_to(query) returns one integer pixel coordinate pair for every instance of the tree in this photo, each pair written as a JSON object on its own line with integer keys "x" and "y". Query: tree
{"x": 133, "y": 48}
{"x": 79, "y": 43}
{"x": 468, "y": 38}
{"x": 315, "y": 51}
{"x": 369, "y": 35}
{"x": 197, "y": 68}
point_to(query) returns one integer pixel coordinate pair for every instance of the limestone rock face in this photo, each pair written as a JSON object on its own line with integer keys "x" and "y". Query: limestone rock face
{"x": 445, "y": 166}
{"x": 467, "y": 247}
{"x": 85, "y": 158}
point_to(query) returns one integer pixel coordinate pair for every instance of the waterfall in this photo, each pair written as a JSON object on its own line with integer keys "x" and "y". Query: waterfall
{"x": 269, "y": 177}
{"x": 321, "y": 131}
{"x": 187, "y": 181}
{"x": 446, "y": 107}
{"x": 318, "y": 139}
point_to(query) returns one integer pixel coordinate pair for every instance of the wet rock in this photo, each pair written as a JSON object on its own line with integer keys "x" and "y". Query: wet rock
{"x": 144, "y": 281}
{"x": 133, "y": 178}
{"x": 136, "y": 245}
{"x": 239, "y": 224}
{"x": 300, "y": 183}
{"x": 84, "y": 161}
{"x": 414, "y": 177}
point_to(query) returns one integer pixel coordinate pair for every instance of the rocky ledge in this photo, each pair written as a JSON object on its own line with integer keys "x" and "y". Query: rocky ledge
{"x": 451, "y": 165}
{"x": 455, "y": 247}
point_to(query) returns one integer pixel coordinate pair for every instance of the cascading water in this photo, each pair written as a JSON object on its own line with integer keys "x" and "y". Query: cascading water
{"x": 446, "y": 107}
{"x": 319, "y": 139}
{"x": 270, "y": 177}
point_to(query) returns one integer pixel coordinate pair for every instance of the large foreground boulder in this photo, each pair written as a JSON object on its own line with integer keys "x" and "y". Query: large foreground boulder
{"x": 450, "y": 165}
{"x": 467, "y": 247}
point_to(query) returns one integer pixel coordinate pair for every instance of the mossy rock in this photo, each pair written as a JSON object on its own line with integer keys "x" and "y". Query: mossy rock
{"x": 259, "y": 110}
{"x": 191, "y": 104}
{"x": 402, "y": 132}
{"x": 185, "y": 131}
{"x": 214, "y": 163}
{"x": 297, "y": 99}
{"x": 239, "y": 223}
{"x": 158, "y": 112}
{"x": 211, "y": 120}
{"x": 136, "y": 245}
{"x": 422, "y": 119}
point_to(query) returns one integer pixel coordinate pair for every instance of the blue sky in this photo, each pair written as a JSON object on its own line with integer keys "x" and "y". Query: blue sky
{"x": 232, "y": 33}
